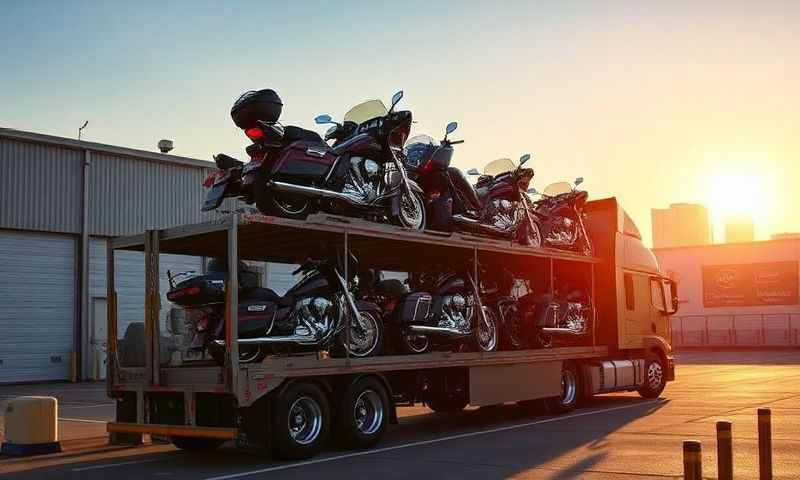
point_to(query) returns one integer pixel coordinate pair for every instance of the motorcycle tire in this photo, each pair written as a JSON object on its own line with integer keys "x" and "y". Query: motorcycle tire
{"x": 490, "y": 344}
{"x": 413, "y": 224}
{"x": 278, "y": 205}
{"x": 340, "y": 350}
{"x": 414, "y": 344}
{"x": 252, "y": 354}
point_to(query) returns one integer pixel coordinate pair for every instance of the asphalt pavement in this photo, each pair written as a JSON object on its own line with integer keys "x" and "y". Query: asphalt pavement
{"x": 617, "y": 436}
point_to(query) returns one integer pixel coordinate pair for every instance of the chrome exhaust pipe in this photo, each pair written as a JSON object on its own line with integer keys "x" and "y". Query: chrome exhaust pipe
{"x": 284, "y": 187}
{"x": 451, "y": 332}
{"x": 479, "y": 226}
{"x": 564, "y": 331}
{"x": 297, "y": 339}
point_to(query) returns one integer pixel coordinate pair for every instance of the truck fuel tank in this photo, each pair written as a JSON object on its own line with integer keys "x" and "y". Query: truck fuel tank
{"x": 613, "y": 375}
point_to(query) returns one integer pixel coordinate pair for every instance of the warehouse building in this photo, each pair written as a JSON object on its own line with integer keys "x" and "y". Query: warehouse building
{"x": 743, "y": 294}
{"x": 62, "y": 200}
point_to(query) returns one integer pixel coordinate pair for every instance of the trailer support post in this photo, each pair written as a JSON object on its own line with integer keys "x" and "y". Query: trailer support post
{"x": 232, "y": 310}
{"x": 348, "y": 322}
{"x": 152, "y": 308}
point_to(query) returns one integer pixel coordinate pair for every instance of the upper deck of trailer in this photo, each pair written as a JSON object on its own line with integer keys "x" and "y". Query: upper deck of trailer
{"x": 266, "y": 238}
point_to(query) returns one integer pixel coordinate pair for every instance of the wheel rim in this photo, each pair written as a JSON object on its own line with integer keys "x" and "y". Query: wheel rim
{"x": 487, "y": 332}
{"x": 532, "y": 235}
{"x": 364, "y": 337}
{"x": 368, "y": 412}
{"x": 305, "y": 420}
{"x": 416, "y": 343}
{"x": 249, "y": 355}
{"x": 290, "y": 205}
{"x": 569, "y": 387}
{"x": 412, "y": 212}
{"x": 655, "y": 375}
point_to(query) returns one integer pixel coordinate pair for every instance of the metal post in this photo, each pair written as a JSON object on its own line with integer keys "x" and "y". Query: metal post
{"x": 347, "y": 283}
{"x": 111, "y": 320}
{"x": 594, "y": 310}
{"x": 724, "y": 451}
{"x": 232, "y": 310}
{"x": 692, "y": 460}
{"x": 156, "y": 306}
{"x": 148, "y": 307}
{"x": 764, "y": 444}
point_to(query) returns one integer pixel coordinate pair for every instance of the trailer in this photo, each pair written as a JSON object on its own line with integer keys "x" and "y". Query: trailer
{"x": 291, "y": 405}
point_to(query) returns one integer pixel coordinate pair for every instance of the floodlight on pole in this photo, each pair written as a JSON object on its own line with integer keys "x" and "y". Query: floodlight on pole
{"x": 81, "y": 128}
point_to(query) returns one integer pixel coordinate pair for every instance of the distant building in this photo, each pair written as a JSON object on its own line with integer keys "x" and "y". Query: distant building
{"x": 785, "y": 236}
{"x": 681, "y": 224}
{"x": 739, "y": 230}
{"x": 737, "y": 294}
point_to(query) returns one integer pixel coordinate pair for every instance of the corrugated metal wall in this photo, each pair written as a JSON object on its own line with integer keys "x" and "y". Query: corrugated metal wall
{"x": 40, "y": 187}
{"x": 128, "y": 196}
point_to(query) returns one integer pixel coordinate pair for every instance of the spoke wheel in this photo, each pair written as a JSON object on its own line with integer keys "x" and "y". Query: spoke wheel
{"x": 412, "y": 211}
{"x": 533, "y": 236}
{"x": 366, "y": 335}
{"x": 487, "y": 333}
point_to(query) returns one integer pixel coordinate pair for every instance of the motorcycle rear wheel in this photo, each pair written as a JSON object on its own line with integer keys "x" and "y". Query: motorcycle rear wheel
{"x": 279, "y": 205}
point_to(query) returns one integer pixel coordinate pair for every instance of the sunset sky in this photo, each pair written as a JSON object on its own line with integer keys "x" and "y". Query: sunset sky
{"x": 654, "y": 103}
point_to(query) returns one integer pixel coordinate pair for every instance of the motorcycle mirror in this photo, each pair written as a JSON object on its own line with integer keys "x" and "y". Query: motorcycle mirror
{"x": 524, "y": 158}
{"x": 533, "y": 191}
{"x": 396, "y": 98}
{"x": 473, "y": 171}
{"x": 323, "y": 119}
{"x": 578, "y": 181}
{"x": 451, "y": 127}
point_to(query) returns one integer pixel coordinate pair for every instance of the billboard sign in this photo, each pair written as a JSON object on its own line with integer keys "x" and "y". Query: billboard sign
{"x": 752, "y": 284}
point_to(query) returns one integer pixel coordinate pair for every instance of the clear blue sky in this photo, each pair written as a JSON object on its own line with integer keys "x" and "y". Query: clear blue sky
{"x": 653, "y": 103}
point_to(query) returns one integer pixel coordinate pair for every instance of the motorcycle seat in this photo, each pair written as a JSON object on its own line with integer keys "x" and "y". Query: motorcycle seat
{"x": 263, "y": 294}
{"x": 293, "y": 134}
{"x": 225, "y": 162}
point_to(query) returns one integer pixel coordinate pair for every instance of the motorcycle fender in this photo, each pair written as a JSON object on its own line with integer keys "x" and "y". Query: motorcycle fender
{"x": 414, "y": 186}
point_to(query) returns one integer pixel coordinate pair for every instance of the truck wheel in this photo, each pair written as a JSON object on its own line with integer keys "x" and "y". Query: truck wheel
{"x": 654, "y": 377}
{"x": 447, "y": 404}
{"x": 300, "y": 421}
{"x": 194, "y": 444}
{"x": 363, "y": 413}
{"x": 570, "y": 390}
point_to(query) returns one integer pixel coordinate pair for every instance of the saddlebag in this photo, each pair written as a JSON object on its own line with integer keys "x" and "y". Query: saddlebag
{"x": 304, "y": 163}
{"x": 414, "y": 308}
{"x": 256, "y": 317}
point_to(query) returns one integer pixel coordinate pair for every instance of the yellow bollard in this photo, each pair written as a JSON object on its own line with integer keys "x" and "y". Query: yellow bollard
{"x": 764, "y": 444}
{"x": 692, "y": 460}
{"x": 724, "y": 451}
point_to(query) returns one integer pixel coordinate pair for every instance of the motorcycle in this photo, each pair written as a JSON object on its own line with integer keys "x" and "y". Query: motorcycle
{"x": 442, "y": 308}
{"x": 294, "y": 175}
{"x": 312, "y": 315}
{"x": 560, "y": 215}
{"x": 566, "y": 314}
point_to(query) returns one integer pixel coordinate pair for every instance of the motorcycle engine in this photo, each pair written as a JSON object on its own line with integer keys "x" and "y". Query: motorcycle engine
{"x": 576, "y": 318}
{"x": 563, "y": 231}
{"x": 364, "y": 179}
{"x": 314, "y": 316}
{"x": 504, "y": 214}
{"x": 455, "y": 312}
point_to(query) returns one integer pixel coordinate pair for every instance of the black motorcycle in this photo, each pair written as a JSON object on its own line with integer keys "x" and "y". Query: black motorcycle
{"x": 559, "y": 318}
{"x": 442, "y": 308}
{"x": 560, "y": 215}
{"x": 293, "y": 172}
{"x": 312, "y": 315}
{"x": 497, "y": 206}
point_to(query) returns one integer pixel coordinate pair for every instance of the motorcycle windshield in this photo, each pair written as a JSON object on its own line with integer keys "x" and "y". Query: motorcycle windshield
{"x": 421, "y": 139}
{"x": 501, "y": 165}
{"x": 557, "y": 188}
{"x": 366, "y": 111}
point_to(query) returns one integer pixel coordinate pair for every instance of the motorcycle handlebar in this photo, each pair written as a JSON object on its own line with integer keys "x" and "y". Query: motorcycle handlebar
{"x": 456, "y": 142}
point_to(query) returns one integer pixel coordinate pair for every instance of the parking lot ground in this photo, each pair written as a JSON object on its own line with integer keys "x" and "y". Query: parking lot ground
{"x": 616, "y": 436}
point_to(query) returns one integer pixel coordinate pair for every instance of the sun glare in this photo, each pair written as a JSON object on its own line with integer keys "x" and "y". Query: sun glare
{"x": 736, "y": 194}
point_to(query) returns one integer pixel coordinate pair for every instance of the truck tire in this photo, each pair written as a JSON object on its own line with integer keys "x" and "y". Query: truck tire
{"x": 363, "y": 413}
{"x": 300, "y": 421}
{"x": 654, "y": 376}
{"x": 193, "y": 444}
{"x": 570, "y": 390}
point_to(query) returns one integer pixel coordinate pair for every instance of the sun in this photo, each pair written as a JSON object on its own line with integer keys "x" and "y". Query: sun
{"x": 736, "y": 194}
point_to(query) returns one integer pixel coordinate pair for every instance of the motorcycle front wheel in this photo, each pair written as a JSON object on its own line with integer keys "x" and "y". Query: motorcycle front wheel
{"x": 531, "y": 235}
{"x": 276, "y": 204}
{"x": 412, "y": 211}
{"x": 488, "y": 332}
{"x": 366, "y": 337}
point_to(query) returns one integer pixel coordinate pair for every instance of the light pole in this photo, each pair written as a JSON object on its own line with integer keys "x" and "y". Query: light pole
{"x": 81, "y": 128}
